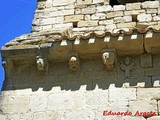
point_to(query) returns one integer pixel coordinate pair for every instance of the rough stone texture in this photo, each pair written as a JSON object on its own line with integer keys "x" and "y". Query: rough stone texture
{"x": 60, "y": 70}
{"x": 154, "y": 118}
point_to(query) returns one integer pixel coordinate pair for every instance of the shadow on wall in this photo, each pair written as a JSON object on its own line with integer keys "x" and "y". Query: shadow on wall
{"x": 92, "y": 74}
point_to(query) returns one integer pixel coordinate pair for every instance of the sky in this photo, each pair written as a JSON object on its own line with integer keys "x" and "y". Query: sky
{"x": 15, "y": 19}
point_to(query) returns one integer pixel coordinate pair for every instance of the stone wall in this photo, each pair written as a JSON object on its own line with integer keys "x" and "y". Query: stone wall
{"x": 61, "y": 94}
{"x": 83, "y": 15}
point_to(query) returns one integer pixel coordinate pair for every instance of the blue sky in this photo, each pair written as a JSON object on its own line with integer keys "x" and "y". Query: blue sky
{"x": 15, "y": 19}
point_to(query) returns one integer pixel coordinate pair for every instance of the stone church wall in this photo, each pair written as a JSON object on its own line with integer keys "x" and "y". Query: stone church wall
{"x": 85, "y": 94}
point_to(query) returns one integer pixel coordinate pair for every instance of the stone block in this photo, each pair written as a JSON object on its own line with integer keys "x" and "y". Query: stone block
{"x": 154, "y": 118}
{"x": 38, "y": 102}
{"x": 100, "y": 2}
{"x": 150, "y": 4}
{"x": 142, "y": 106}
{"x": 60, "y": 101}
{"x": 74, "y": 18}
{"x": 156, "y": 81}
{"x": 87, "y": 23}
{"x": 13, "y": 104}
{"x": 96, "y": 98}
{"x": 114, "y": 14}
{"x": 111, "y": 26}
{"x": 62, "y": 2}
{"x": 118, "y": 7}
{"x": 98, "y": 16}
{"x": 127, "y": 25}
{"x": 151, "y": 11}
{"x": 147, "y": 93}
{"x": 89, "y": 10}
{"x": 134, "y": 12}
{"x": 122, "y": 94}
{"x": 26, "y": 116}
{"x": 84, "y": 2}
{"x": 48, "y": 115}
{"x": 84, "y": 114}
{"x": 156, "y": 18}
{"x": 104, "y": 8}
{"x": 106, "y": 22}
{"x": 117, "y": 106}
{"x": 144, "y": 17}
{"x": 133, "y": 6}
{"x": 146, "y": 60}
{"x": 123, "y": 19}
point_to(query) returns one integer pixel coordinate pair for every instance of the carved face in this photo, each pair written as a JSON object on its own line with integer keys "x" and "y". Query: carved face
{"x": 73, "y": 63}
{"x": 40, "y": 64}
{"x": 108, "y": 57}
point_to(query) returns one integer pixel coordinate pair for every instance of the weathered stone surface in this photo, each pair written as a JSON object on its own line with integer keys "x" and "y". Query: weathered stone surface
{"x": 96, "y": 99}
{"x": 123, "y": 19}
{"x": 118, "y": 7}
{"x": 38, "y": 103}
{"x": 98, "y": 16}
{"x": 126, "y": 25}
{"x": 144, "y": 17}
{"x": 147, "y": 94}
{"x": 105, "y": 8}
{"x": 154, "y": 118}
{"x": 106, "y": 22}
{"x": 122, "y": 94}
{"x": 142, "y": 106}
{"x": 84, "y": 2}
{"x": 114, "y": 14}
{"x": 150, "y": 4}
{"x": 146, "y": 60}
{"x": 133, "y": 6}
{"x": 134, "y": 12}
{"x": 74, "y": 18}
{"x": 87, "y": 23}
{"x": 84, "y": 114}
{"x": 89, "y": 10}
{"x": 12, "y": 104}
{"x": 62, "y": 2}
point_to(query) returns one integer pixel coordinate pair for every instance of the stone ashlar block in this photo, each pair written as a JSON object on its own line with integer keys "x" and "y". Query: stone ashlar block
{"x": 74, "y": 18}
{"x": 87, "y": 23}
{"x": 89, "y": 10}
{"x": 126, "y": 25}
{"x": 122, "y": 94}
{"x": 62, "y": 2}
{"x": 104, "y": 8}
{"x": 150, "y": 4}
{"x": 144, "y": 17}
{"x": 98, "y": 16}
{"x": 133, "y": 6}
{"x": 114, "y": 14}
{"x": 118, "y": 7}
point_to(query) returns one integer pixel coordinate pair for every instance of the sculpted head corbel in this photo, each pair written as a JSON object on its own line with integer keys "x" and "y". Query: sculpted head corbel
{"x": 108, "y": 58}
{"x": 41, "y": 63}
{"x": 74, "y": 62}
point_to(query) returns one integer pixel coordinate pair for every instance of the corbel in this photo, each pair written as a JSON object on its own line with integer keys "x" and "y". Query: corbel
{"x": 109, "y": 57}
{"x": 74, "y": 63}
{"x": 42, "y": 63}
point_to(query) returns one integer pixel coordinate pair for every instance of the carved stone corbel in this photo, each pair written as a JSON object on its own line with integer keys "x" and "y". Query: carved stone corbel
{"x": 109, "y": 57}
{"x": 74, "y": 63}
{"x": 42, "y": 63}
